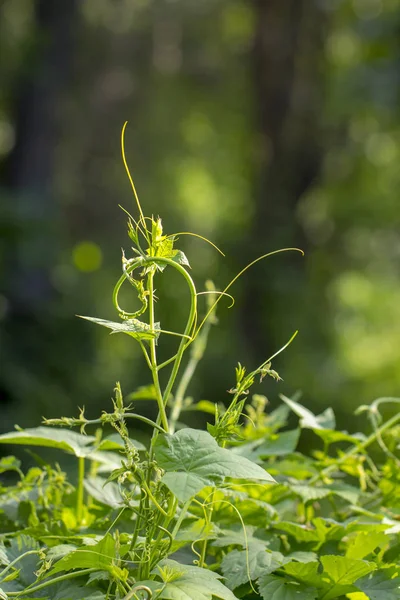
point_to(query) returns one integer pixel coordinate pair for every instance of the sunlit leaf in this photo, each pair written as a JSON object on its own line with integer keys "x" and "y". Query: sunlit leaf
{"x": 193, "y": 460}
{"x": 133, "y": 327}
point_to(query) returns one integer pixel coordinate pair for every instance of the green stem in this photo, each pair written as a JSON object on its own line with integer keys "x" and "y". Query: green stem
{"x": 182, "y": 515}
{"x": 79, "y": 489}
{"x": 100, "y": 421}
{"x": 41, "y": 586}
{"x": 209, "y": 513}
{"x": 153, "y": 354}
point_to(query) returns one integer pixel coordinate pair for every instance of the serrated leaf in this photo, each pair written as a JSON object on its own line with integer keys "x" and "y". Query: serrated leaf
{"x": 99, "y": 556}
{"x": 240, "y": 565}
{"x": 280, "y": 588}
{"x": 308, "y": 420}
{"x": 184, "y": 582}
{"x": 133, "y": 327}
{"x": 342, "y": 573}
{"x": 51, "y": 437}
{"x": 193, "y": 460}
{"x": 380, "y": 586}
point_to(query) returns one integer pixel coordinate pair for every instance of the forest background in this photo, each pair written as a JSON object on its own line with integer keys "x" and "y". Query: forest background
{"x": 258, "y": 124}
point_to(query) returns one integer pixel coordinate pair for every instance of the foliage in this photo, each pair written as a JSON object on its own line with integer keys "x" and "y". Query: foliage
{"x": 233, "y": 512}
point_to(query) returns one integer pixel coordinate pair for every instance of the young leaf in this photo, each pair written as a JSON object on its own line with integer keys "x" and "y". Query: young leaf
{"x": 280, "y": 588}
{"x": 193, "y": 460}
{"x": 63, "y": 439}
{"x": 184, "y": 582}
{"x": 133, "y": 327}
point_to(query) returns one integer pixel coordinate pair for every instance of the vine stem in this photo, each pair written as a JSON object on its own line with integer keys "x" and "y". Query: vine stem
{"x": 79, "y": 489}
{"x": 153, "y": 353}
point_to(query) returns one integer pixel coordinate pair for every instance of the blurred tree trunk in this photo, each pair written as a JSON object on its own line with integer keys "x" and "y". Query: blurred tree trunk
{"x": 288, "y": 84}
{"x": 31, "y": 162}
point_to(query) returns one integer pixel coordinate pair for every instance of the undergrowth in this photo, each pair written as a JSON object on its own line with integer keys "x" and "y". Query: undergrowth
{"x": 232, "y": 512}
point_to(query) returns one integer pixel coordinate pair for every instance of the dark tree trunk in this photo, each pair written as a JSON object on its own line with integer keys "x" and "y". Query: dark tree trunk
{"x": 29, "y": 169}
{"x": 288, "y": 84}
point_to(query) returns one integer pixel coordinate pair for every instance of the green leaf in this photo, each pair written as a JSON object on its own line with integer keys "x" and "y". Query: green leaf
{"x": 193, "y": 460}
{"x": 184, "y": 582}
{"x": 278, "y": 445}
{"x": 308, "y": 493}
{"x": 133, "y": 327}
{"x": 331, "y": 436}
{"x": 308, "y": 420}
{"x": 50, "y": 437}
{"x": 342, "y": 573}
{"x": 364, "y": 542}
{"x": 181, "y": 258}
{"x": 380, "y": 585}
{"x": 280, "y": 588}
{"x": 68, "y": 590}
{"x": 306, "y": 573}
{"x": 103, "y": 492}
{"x": 99, "y": 556}
{"x": 240, "y": 565}
{"x": 9, "y": 463}
{"x": 301, "y": 533}
{"x": 144, "y": 392}
{"x": 197, "y": 530}
{"x": 115, "y": 442}
{"x": 27, "y": 565}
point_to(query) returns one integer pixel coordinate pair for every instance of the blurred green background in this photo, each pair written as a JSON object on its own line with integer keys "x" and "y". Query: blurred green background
{"x": 259, "y": 124}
